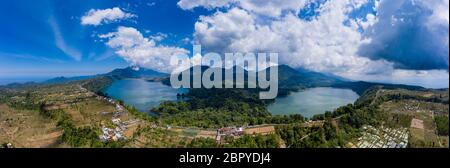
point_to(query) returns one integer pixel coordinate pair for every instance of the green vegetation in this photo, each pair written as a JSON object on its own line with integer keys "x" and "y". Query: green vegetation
{"x": 214, "y": 108}
{"x": 246, "y": 141}
{"x": 97, "y": 84}
{"x": 398, "y": 120}
{"x": 72, "y": 113}
{"x": 344, "y": 124}
{"x": 442, "y": 125}
{"x": 130, "y": 72}
{"x": 59, "y": 103}
{"x": 338, "y": 128}
{"x": 258, "y": 141}
{"x": 77, "y": 137}
{"x": 158, "y": 138}
{"x": 202, "y": 143}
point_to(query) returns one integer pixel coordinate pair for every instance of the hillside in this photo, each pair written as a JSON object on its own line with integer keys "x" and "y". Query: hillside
{"x": 74, "y": 115}
{"x": 63, "y": 79}
{"x": 120, "y": 73}
{"x": 289, "y": 79}
{"x": 131, "y": 72}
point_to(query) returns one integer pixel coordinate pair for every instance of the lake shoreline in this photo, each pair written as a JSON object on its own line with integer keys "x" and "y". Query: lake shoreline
{"x": 145, "y": 95}
{"x": 312, "y": 101}
{"x": 141, "y": 93}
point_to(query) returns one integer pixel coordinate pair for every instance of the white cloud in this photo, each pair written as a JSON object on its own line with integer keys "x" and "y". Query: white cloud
{"x": 323, "y": 44}
{"x": 412, "y": 34}
{"x": 439, "y": 20}
{"x": 273, "y": 8}
{"x": 99, "y": 16}
{"x": 131, "y": 45}
{"x": 217, "y": 32}
{"x": 440, "y": 10}
{"x": 428, "y": 79}
{"x": 186, "y": 40}
{"x": 158, "y": 36}
{"x": 103, "y": 56}
{"x": 209, "y": 4}
{"x": 260, "y": 7}
{"x": 327, "y": 43}
{"x": 61, "y": 43}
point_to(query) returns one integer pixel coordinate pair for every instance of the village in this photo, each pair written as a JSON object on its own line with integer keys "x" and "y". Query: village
{"x": 383, "y": 137}
{"x": 117, "y": 130}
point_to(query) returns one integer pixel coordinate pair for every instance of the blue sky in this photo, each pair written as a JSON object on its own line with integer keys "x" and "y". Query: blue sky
{"x": 28, "y": 46}
{"x": 402, "y": 41}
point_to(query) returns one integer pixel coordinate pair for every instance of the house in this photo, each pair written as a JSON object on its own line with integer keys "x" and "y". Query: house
{"x": 104, "y": 138}
{"x": 218, "y": 138}
{"x": 116, "y": 121}
{"x": 119, "y": 108}
{"x": 230, "y": 131}
{"x": 225, "y": 131}
{"x": 119, "y": 136}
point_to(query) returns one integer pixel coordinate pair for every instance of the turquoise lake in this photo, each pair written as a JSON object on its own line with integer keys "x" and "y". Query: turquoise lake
{"x": 313, "y": 101}
{"x": 142, "y": 94}
{"x": 145, "y": 95}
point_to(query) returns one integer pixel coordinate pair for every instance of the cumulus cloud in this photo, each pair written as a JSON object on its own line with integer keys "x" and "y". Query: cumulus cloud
{"x": 260, "y": 7}
{"x": 332, "y": 40}
{"x": 322, "y": 44}
{"x": 158, "y": 36}
{"x": 138, "y": 50}
{"x": 403, "y": 41}
{"x": 191, "y": 4}
{"x": 97, "y": 17}
{"x": 272, "y": 8}
{"x": 417, "y": 36}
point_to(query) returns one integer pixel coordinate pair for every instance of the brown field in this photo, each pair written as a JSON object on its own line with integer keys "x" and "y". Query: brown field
{"x": 89, "y": 112}
{"x": 28, "y": 128}
{"x": 157, "y": 138}
{"x": 260, "y": 130}
{"x": 24, "y": 128}
{"x": 422, "y": 126}
{"x": 416, "y": 123}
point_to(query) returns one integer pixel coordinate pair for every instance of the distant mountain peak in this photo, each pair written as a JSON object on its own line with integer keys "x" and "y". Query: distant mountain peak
{"x": 135, "y": 68}
{"x": 135, "y": 72}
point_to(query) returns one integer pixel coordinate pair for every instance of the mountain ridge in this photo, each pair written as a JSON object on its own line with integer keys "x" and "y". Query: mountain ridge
{"x": 289, "y": 79}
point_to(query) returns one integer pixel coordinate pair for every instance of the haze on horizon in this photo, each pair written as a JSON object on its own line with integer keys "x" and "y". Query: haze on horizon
{"x": 402, "y": 41}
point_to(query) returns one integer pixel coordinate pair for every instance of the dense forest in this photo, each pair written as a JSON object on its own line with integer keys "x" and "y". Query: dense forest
{"x": 246, "y": 141}
{"x": 214, "y": 108}
{"x": 442, "y": 125}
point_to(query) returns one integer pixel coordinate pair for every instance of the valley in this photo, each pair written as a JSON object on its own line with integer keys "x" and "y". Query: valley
{"x": 78, "y": 112}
